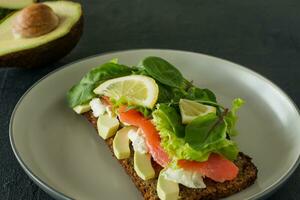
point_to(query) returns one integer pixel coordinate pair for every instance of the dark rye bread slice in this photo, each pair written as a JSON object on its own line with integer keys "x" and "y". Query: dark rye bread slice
{"x": 246, "y": 177}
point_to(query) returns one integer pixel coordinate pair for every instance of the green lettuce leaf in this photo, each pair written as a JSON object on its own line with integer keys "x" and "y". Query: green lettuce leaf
{"x": 208, "y": 134}
{"x": 231, "y": 118}
{"x": 203, "y": 136}
{"x": 170, "y": 142}
{"x": 205, "y": 130}
{"x": 171, "y": 119}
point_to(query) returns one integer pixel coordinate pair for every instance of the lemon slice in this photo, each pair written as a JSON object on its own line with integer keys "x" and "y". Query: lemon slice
{"x": 137, "y": 89}
{"x": 191, "y": 109}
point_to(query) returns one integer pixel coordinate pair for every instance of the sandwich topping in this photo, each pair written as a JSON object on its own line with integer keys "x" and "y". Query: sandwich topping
{"x": 167, "y": 120}
{"x": 97, "y": 107}
{"x": 187, "y": 178}
{"x": 138, "y": 141}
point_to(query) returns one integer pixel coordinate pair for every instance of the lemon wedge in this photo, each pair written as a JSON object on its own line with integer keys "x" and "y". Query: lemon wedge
{"x": 191, "y": 109}
{"x": 137, "y": 89}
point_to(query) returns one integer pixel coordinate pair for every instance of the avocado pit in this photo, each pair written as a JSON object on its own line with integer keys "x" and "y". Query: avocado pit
{"x": 31, "y": 46}
{"x": 35, "y": 20}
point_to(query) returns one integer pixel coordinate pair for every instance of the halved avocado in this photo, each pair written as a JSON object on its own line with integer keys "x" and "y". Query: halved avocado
{"x": 45, "y": 49}
{"x": 15, "y": 4}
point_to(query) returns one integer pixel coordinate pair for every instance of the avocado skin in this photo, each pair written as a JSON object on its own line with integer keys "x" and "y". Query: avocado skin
{"x": 4, "y": 12}
{"x": 45, "y": 54}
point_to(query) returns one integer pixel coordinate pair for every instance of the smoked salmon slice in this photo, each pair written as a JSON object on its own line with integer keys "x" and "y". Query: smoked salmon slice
{"x": 216, "y": 168}
{"x": 152, "y": 137}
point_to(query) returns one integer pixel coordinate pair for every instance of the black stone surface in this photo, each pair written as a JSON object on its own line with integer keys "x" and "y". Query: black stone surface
{"x": 262, "y": 35}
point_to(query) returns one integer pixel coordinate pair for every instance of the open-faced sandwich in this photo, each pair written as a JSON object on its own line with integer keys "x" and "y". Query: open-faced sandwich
{"x": 172, "y": 138}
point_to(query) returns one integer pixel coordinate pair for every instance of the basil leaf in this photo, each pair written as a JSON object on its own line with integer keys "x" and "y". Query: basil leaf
{"x": 195, "y": 93}
{"x": 83, "y": 92}
{"x": 163, "y": 71}
{"x": 104, "y": 72}
{"x": 170, "y": 95}
{"x": 140, "y": 71}
{"x": 205, "y": 130}
{"x": 165, "y": 94}
{"x": 80, "y": 94}
{"x": 178, "y": 94}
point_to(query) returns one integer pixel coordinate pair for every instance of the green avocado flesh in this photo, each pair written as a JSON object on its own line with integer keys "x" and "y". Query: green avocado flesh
{"x": 68, "y": 12}
{"x": 15, "y": 4}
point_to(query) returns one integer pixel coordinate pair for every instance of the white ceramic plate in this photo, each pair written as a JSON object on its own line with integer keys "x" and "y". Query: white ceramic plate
{"x": 62, "y": 153}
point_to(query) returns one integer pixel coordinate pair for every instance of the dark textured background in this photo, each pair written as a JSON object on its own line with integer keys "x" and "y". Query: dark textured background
{"x": 262, "y": 35}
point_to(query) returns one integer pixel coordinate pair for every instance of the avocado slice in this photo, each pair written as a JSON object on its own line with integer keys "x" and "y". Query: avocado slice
{"x": 15, "y": 4}
{"x": 142, "y": 166}
{"x": 107, "y": 126}
{"x": 121, "y": 143}
{"x": 167, "y": 190}
{"x": 82, "y": 108}
{"x": 44, "y": 49}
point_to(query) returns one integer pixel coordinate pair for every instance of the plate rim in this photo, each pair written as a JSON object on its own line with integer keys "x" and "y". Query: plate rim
{"x": 60, "y": 195}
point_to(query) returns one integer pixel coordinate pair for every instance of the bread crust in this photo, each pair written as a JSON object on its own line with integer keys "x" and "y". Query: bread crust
{"x": 214, "y": 190}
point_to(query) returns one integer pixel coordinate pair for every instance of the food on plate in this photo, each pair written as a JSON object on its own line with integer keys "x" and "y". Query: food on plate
{"x": 174, "y": 139}
{"x": 40, "y": 33}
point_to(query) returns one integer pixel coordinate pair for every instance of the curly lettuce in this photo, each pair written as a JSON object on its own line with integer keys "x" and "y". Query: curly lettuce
{"x": 203, "y": 136}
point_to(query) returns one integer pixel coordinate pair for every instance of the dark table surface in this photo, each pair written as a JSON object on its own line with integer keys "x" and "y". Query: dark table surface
{"x": 262, "y": 35}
